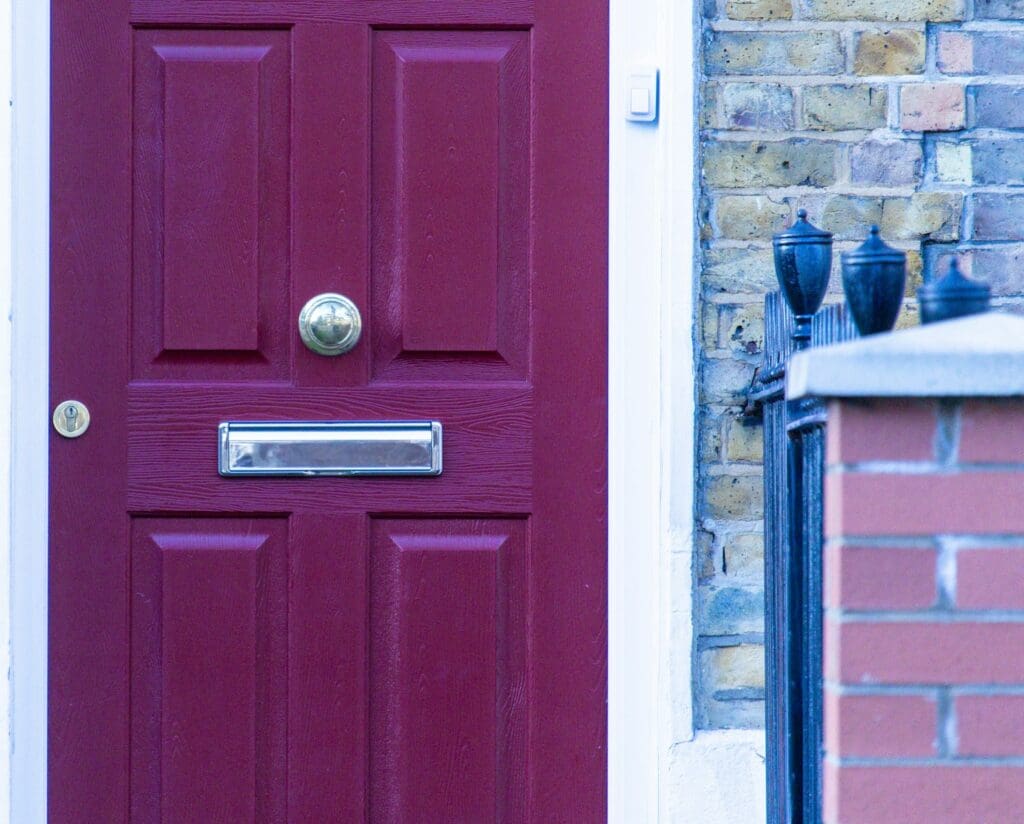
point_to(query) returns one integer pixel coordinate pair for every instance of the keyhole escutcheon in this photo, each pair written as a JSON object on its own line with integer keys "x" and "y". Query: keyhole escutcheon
{"x": 71, "y": 419}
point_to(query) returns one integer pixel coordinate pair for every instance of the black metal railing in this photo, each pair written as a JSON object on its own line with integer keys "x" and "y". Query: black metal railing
{"x": 873, "y": 277}
{"x": 794, "y": 461}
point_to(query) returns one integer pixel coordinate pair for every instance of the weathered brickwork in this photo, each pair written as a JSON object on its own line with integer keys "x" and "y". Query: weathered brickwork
{"x": 905, "y": 113}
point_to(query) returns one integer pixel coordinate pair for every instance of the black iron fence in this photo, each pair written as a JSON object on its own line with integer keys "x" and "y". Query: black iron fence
{"x": 793, "y": 521}
{"x": 873, "y": 276}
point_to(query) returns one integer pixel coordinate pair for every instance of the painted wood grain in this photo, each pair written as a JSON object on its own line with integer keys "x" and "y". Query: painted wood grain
{"x": 325, "y": 649}
{"x": 411, "y": 13}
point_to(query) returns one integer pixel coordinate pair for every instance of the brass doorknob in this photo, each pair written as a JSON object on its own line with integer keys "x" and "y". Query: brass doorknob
{"x": 330, "y": 324}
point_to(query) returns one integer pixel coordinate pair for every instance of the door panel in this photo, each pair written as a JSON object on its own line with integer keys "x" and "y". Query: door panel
{"x": 451, "y": 125}
{"x": 329, "y": 649}
{"x": 447, "y": 669}
{"x": 211, "y": 217}
{"x": 209, "y": 618}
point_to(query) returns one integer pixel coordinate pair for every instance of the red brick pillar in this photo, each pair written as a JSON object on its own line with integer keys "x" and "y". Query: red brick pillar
{"x": 924, "y": 623}
{"x": 924, "y": 586}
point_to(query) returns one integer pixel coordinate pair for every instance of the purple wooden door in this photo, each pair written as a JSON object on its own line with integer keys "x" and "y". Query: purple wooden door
{"x": 329, "y": 649}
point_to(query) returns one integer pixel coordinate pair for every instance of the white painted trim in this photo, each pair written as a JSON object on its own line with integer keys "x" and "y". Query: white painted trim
{"x": 30, "y": 410}
{"x": 651, "y": 413}
{"x": 6, "y": 69}
{"x": 634, "y": 425}
{"x": 659, "y": 769}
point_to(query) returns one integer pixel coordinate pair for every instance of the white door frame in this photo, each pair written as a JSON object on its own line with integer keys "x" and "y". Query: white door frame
{"x": 651, "y": 410}
{"x": 30, "y": 313}
{"x": 651, "y": 413}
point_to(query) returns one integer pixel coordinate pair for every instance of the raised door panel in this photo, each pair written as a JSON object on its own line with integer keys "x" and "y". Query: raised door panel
{"x": 451, "y": 185}
{"x": 447, "y": 670}
{"x": 210, "y": 242}
{"x": 209, "y": 672}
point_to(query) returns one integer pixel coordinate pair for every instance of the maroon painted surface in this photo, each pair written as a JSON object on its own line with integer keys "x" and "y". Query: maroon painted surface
{"x": 385, "y": 650}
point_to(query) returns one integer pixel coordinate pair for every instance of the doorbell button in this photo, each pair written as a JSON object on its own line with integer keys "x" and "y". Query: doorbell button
{"x": 642, "y": 95}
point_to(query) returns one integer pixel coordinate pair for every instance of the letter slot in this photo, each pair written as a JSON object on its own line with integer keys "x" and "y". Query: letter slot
{"x": 316, "y": 448}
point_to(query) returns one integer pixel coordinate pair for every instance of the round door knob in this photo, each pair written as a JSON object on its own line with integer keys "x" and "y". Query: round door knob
{"x": 330, "y": 324}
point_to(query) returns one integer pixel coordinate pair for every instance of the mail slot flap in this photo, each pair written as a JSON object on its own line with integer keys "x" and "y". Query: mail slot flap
{"x": 315, "y": 448}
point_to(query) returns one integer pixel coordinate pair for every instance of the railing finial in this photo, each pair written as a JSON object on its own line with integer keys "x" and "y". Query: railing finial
{"x": 803, "y": 261}
{"x": 954, "y": 295}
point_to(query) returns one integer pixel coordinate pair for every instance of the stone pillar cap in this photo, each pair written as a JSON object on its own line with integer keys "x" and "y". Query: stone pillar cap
{"x": 976, "y": 356}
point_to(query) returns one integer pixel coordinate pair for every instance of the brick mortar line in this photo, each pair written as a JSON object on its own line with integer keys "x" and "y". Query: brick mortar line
{"x": 718, "y": 353}
{"x": 840, "y": 138}
{"x": 986, "y": 690}
{"x": 975, "y": 26}
{"x": 946, "y": 573}
{"x": 804, "y": 199}
{"x": 777, "y": 194}
{"x": 845, "y": 616}
{"x": 850, "y": 78}
{"x": 967, "y": 216}
{"x": 803, "y": 81}
{"x": 806, "y": 25}
{"x": 970, "y": 79}
{"x": 974, "y": 134}
{"x": 881, "y": 690}
{"x": 926, "y": 690}
{"x": 745, "y": 469}
{"x": 737, "y": 525}
{"x": 738, "y": 694}
{"x": 725, "y": 243}
{"x": 848, "y": 43}
{"x": 947, "y": 738}
{"x": 947, "y": 432}
{"x": 839, "y": 244}
{"x": 728, "y": 580}
{"x": 965, "y": 541}
{"x": 747, "y": 584}
{"x": 917, "y": 468}
{"x": 733, "y": 299}
{"x": 884, "y": 134}
{"x": 892, "y": 100}
{"x": 909, "y": 761}
{"x": 909, "y": 246}
{"x": 705, "y": 642}
{"x": 885, "y": 543}
{"x": 931, "y": 52}
{"x": 968, "y": 245}
{"x": 892, "y": 82}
